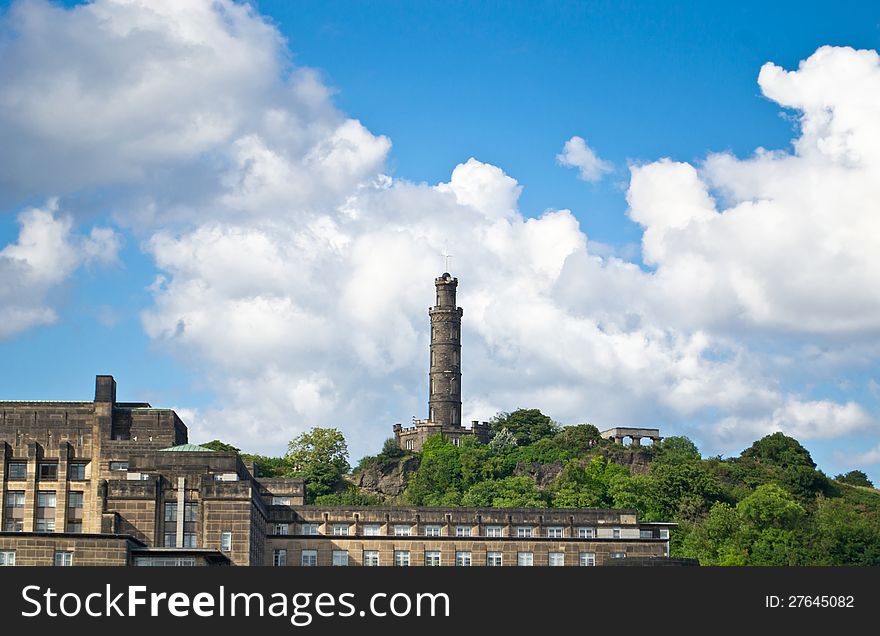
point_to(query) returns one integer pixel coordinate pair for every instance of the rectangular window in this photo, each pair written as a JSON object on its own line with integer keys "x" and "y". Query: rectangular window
{"x": 588, "y": 558}
{"x": 463, "y": 559}
{"x": 170, "y": 518}
{"x": 432, "y": 531}
{"x": 493, "y": 531}
{"x": 310, "y": 529}
{"x": 493, "y": 558}
{"x": 340, "y": 558}
{"x": 189, "y": 540}
{"x": 523, "y": 532}
{"x": 401, "y": 558}
{"x": 525, "y": 558}
{"x": 556, "y": 559}
{"x": 281, "y": 528}
{"x": 226, "y": 542}
{"x": 340, "y": 529}
{"x": 555, "y": 532}
{"x": 190, "y": 511}
{"x": 47, "y": 471}
{"x": 371, "y": 529}
{"x": 280, "y": 501}
{"x": 646, "y": 534}
{"x": 462, "y": 531}
{"x": 76, "y": 472}
{"x": 63, "y": 559}
{"x": 618, "y": 555}
{"x": 615, "y": 533}
{"x": 371, "y": 558}
{"x": 13, "y": 517}
{"x": 16, "y": 471}
{"x": 402, "y": 530}
{"x": 74, "y": 511}
{"x": 309, "y": 558}
{"x": 45, "y": 511}
{"x": 586, "y": 533}
{"x": 664, "y": 533}
{"x": 279, "y": 557}
{"x": 432, "y": 558}
{"x": 165, "y": 562}
{"x": 7, "y": 558}
{"x": 118, "y": 465}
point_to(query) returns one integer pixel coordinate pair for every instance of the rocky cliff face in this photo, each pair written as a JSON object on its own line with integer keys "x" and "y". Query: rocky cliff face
{"x": 638, "y": 461}
{"x": 388, "y": 478}
{"x": 543, "y": 474}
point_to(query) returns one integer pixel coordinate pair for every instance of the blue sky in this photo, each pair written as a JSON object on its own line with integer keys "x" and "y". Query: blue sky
{"x": 433, "y": 85}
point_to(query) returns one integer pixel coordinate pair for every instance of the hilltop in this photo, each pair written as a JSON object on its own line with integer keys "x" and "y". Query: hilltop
{"x": 768, "y": 506}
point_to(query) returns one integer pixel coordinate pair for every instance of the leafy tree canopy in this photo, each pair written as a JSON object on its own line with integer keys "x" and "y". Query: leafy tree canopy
{"x": 855, "y": 478}
{"x": 217, "y": 445}
{"x": 678, "y": 448}
{"x": 320, "y": 456}
{"x": 579, "y": 438}
{"x": 780, "y": 450}
{"x": 526, "y": 425}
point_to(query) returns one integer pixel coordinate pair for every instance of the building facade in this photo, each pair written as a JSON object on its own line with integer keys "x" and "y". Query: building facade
{"x": 111, "y": 483}
{"x": 444, "y": 376}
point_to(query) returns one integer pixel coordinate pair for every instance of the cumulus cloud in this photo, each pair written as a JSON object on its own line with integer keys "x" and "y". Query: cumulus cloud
{"x": 295, "y": 275}
{"x": 781, "y": 240}
{"x": 577, "y": 154}
{"x": 46, "y": 253}
{"x": 867, "y": 458}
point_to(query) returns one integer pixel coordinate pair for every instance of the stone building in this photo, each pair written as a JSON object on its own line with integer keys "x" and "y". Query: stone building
{"x": 114, "y": 483}
{"x": 444, "y": 377}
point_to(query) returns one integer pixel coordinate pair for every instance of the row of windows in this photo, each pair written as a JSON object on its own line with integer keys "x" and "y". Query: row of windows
{"x": 433, "y": 558}
{"x": 62, "y": 558}
{"x": 13, "y": 514}
{"x": 406, "y": 530}
{"x": 46, "y": 471}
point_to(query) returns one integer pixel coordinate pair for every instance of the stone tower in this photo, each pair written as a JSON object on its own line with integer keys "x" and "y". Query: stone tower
{"x": 444, "y": 400}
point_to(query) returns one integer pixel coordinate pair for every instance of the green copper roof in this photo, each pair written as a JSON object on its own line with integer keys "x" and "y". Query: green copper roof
{"x": 187, "y": 448}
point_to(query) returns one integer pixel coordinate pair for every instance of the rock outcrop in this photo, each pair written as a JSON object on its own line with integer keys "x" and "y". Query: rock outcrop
{"x": 386, "y": 478}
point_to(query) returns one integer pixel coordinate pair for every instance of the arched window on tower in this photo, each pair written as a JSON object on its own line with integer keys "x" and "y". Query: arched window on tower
{"x": 454, "y": 416}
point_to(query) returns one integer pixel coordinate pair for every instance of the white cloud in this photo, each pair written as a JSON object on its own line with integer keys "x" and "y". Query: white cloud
{"x": 577, "y": 154}
{"x": 791, "y": 241}
{"x": 45, "y": 255}
{"x": 295, "y": 274}
{"x": 803, "y": 420}
{"x": 867, "y": 458}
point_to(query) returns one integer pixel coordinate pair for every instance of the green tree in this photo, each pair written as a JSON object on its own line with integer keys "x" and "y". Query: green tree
{"x": 269, "y": 466}
{"x": 439, "y": 472}
{"x": 510, "y": 492}
{"x": 217, "y": 445}
{"x": 579, "y": 438}
{"x": 678, "y": 449}
{"x": 855, "y": 478}
{"x": 685, "y": 490}
{"x": 770, "y": 506}
{"x": 779, "y": 450}
{"x": 844, "y": 534}
{"x": 320, "y": 456}
{"x": 526, "y": 425}
{"x": 503, "y": 440}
